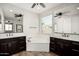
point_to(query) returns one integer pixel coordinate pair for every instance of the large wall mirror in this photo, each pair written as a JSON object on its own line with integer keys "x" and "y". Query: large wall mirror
{"x": 68, "y": 21}
{"x": 65, "y": 20}
{"x": 67, "y": 24}
{"x": 11, "y": 19}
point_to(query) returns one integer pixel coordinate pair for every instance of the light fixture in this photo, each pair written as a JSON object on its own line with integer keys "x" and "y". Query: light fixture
{"x": 38, "y": 7}
{"x": 77, "y": 7}
{"x": 11, "y": 10}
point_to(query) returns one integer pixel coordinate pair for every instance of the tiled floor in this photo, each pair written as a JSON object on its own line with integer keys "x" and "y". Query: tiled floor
{"x": 34, "y": 53}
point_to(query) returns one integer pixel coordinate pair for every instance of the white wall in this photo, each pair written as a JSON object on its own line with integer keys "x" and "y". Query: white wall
{"x": 38, "y": 42}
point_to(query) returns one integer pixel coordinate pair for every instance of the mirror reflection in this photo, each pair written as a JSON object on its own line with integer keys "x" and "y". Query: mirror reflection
{"x": 10, "y": 17}
{"x": 65, "y": 20}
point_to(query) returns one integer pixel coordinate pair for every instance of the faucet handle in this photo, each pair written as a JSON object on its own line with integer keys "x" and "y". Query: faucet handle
{"x": 29, "y": 40}
{"x": 65, "y": 35}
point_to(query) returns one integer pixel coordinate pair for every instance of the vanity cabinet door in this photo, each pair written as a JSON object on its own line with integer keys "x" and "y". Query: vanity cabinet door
{"x": 75, "y": 48}
{"x": 21, "y": 45}
{"x": 12, "y": 46}
{"x": 52, "y": 45}
{"x": 67, "y": 48}
{"x": 59, "y": 47}
{"x": 4, "y": 48}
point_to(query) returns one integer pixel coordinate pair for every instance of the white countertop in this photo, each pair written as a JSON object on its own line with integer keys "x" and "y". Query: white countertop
{"x": 3, "y": 36}
{"x": 68, "y": 38}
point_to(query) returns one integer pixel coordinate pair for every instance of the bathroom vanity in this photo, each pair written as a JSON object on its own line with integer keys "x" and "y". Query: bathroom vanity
{"x": 9, "y": 46}
{"x": 9, "y": 26}
{"x": 64, "y": 47}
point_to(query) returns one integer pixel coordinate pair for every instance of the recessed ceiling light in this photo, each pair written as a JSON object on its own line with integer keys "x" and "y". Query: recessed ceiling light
{"x": 77, "y": 7}
{"x": 11, "y": 10}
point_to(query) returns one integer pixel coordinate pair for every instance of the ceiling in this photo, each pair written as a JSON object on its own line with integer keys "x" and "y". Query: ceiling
{"x": 10, "y": 9}
{"x": 27, "y": 6}
{"x": 17, "y": 8}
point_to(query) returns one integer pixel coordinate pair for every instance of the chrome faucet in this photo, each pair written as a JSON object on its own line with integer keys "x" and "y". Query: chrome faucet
{"x": 9, "y": 34}
{"x": 65, "y": 35}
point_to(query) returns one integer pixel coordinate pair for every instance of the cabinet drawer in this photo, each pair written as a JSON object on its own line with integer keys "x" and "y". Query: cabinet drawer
{"x": 75, "y": 45}
{"x": 21, "y": 38}
{"x": 22, "y": 44}
{"x": 4, "y": 54}
{"x": 22, "y": 48}
{"x": 75, "y": 52}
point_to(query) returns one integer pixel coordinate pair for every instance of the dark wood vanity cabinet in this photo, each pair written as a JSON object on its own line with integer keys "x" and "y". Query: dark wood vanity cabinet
{"x": 64, "y": 47}
{"x": 11, "y": 46}
{"x": 75, "y": 48}
{"x": 52, "y": 44}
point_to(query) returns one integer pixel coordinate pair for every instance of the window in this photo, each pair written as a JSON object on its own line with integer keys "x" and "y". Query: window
{"x": 8, "y": 27}
{"x": 46, "y": 24}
